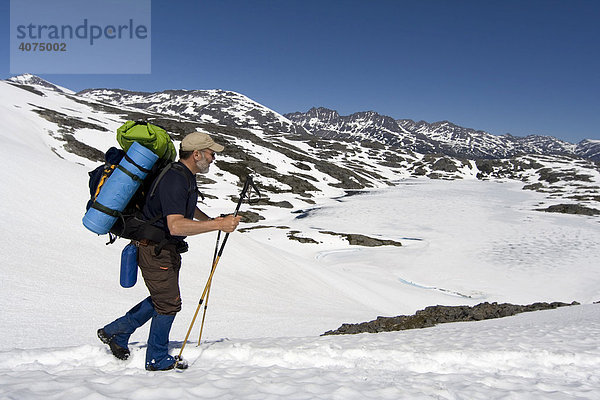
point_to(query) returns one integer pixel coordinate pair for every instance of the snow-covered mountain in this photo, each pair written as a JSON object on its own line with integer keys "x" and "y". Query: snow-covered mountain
{"x": 298, "y": 166}
{"x": 236, "y": 110}
{"x": 294, "y": 168}
{"x": 363, "y": 126}
{"x": 589, "y": 149}
{"x": 209, "y": 106}
{"x": 29, "y": 79}
{"x": 472, "y": 143}
{"x": 438, "y": 137}
{"x": 461, "y": 231}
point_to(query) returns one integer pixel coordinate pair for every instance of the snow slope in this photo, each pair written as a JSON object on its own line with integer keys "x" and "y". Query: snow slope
{"x": 463, "y": 243}
{"x": 544, "y": 355}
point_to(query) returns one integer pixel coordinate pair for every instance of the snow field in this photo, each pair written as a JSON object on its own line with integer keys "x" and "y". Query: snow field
{"x": 549, "y": 354}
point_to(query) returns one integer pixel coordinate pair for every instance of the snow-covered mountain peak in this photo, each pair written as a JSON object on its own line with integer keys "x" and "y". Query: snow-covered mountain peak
{"x": 33, "y": 80}
{"x": 360, "y": 126}
{"x": 214, "y": 106}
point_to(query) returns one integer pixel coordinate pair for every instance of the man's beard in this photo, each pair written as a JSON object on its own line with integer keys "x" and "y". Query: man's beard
{"x": 203, "y": 165}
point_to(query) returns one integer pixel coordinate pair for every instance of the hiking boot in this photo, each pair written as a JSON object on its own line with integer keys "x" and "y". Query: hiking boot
{"x": 121, "y": 353}
{"x": 103, "y": 336}
{"x": 178, "y": 364}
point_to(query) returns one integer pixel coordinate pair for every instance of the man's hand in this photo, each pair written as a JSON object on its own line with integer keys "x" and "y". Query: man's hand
{"x": 228, "y": 223}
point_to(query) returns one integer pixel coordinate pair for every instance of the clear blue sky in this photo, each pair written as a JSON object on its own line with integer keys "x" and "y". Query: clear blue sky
{"x": 514, "y": 66}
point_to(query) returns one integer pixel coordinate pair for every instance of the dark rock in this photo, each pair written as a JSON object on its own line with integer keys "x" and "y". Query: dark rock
{"x": 433, "y": 315}
{"x": 444, "y": 164}
{"x": 250, "y": 217}
{"x": 281, "y": 204}
{"x": 486, "y": 167}
{"x": 65, "y": 122}
{"x": 551, "y": 176}
{"x": 28, "y": 88}
{"x": 293, "y": 235}
{"x": 362, "y": 240}
{"x": 302, "y": 166}
{"x": 420, "y": 171}
{"x": 534, "y": 186}
{"x": 571, "y": 209}
{"x": 81, "y": 149}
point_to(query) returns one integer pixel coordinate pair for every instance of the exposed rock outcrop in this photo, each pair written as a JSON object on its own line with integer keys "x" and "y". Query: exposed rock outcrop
{"x": 434, "y": 315}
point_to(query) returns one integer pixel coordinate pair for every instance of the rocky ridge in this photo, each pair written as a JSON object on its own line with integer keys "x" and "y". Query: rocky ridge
{"x": 31, "y": 81}
{"x": 220, "y": 107}
{"x": 439, "y": 137}
{"x": 434, "y": 315}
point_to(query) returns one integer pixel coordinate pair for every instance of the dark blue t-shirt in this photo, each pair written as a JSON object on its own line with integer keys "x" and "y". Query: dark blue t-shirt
{"x": 176, "y": 193}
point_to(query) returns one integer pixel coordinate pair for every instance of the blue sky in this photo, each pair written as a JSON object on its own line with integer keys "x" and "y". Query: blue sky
{"x": 520, "y": 67}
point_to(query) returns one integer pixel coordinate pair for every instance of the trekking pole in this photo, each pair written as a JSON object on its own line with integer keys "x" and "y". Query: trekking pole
{"x": 247, "y": 186}
{"x": 203, "y": 316}
{"x": 208, "y": 293}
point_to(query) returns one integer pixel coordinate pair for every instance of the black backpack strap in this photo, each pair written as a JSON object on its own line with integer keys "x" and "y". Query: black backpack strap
{"x": 142, "y": 122}
{"x": 145, "y": 170}
{"x": 158, "y": 179}
{"x": 132, "y": 176}
{"x": 106, "y": 210}
{"x": 179, "y": 168}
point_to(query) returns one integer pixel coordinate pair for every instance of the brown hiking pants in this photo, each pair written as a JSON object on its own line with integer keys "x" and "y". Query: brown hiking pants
{"x": 161, "y": 275}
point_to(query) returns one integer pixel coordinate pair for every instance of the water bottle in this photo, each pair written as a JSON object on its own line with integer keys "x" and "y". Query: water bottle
{"x": 129, "y": 265}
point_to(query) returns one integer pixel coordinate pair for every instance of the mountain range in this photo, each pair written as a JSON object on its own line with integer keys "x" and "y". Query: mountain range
{"x": 233, "y": 109}
{"x": 318, "y": 152}
{"x": 439, "y": 137}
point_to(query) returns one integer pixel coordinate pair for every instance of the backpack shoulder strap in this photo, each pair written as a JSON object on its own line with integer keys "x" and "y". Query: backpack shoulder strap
{"x": 181, "y": 169}
{"x": 158, "y": 178}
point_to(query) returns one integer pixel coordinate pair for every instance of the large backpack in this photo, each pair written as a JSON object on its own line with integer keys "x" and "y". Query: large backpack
{"x": 130, "y": 223}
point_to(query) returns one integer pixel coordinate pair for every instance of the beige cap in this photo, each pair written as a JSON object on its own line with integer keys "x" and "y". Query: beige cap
{"x": 200, "y": 141}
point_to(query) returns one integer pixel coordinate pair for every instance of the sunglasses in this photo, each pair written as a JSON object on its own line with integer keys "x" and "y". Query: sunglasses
{"x": 212, "y": 153}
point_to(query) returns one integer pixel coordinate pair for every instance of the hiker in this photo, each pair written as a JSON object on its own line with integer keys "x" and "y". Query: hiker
{"x": 175, "y": 199}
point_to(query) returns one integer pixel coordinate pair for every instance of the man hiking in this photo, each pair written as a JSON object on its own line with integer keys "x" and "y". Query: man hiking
{"x": 174, "y": 199}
